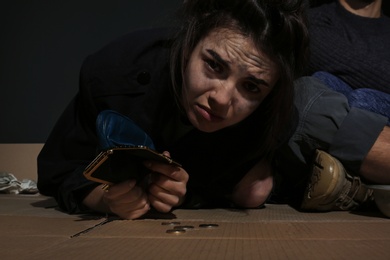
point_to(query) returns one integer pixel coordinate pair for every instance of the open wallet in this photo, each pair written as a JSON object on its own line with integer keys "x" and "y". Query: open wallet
{"x": 124, "y": 146}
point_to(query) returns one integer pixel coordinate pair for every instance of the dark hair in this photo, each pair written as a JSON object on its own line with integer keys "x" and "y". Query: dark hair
{"x": 278, "y": 27}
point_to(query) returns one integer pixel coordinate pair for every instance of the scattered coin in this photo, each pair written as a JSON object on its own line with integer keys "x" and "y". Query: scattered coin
{"x": 173, "y": 223}
{"x": 183, "y": 227}
{"x": 175, "y": 231}
{"x": 209, "y": 225}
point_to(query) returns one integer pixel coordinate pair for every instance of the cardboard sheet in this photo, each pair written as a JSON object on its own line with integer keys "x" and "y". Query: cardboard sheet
{"x": 33, "y": 228}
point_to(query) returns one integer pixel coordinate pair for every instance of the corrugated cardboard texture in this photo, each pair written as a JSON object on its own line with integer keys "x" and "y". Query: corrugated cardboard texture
{"x": 33, "y": 228}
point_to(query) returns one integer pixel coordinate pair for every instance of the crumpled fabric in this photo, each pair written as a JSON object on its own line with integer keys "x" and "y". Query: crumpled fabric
{"x": 9, "y": 184}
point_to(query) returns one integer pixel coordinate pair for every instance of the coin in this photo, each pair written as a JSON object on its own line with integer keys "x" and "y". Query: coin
{"x": 183, "y": 227}
{"x": 170, "y": 223}
{"x": 208, "y": 225}
{"x": 175, "y": 231}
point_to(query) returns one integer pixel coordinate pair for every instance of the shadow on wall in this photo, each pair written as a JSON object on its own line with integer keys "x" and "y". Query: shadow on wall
{"x": 43, "y": 44}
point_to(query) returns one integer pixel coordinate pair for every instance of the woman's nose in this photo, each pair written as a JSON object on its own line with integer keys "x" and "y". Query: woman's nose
{"x": 223, "y": 93}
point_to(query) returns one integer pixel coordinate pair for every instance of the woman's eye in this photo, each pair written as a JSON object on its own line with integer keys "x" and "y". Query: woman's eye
{"x": 214, "y": 65}
{"x": 251, "y": 87}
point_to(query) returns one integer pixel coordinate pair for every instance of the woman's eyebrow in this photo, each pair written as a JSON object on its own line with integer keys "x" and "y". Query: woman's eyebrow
{"x": 258, "y": 81}
{"x": 226, "y": 64}
{"x": 218, "y": 58}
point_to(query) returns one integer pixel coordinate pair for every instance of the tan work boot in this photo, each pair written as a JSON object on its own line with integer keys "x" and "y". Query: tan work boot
{"x": 332, "y": 188}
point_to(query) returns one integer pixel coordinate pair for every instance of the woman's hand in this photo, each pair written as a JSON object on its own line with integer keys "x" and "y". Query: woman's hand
{"x": 255, "y": 187}
{"x": 126, "y": 200}
{"x": 168, "y": 185}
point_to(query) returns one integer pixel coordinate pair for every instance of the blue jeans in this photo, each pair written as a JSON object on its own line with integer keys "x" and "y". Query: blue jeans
{"x": 364, "y": 98}
{"x": 325, "y": 121}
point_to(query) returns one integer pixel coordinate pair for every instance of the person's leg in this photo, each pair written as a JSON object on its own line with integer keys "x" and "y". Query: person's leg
{"x": 326, "y": 122}
{"x": 333, "y": 82}
{"x": 372, "y": 100}
{"x": 331, "y": 187}
{"x": 364, "y": 98}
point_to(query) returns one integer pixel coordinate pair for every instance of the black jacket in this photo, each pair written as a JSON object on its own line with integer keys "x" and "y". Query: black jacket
{"x": 131, "y": 76}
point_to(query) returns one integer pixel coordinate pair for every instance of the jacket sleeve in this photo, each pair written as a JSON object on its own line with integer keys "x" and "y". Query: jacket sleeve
{"x": 109, "y": 79}
{"x": 68, "y": 150}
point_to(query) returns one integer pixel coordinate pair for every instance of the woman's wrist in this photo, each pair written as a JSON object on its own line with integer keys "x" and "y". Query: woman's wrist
{"x": 95, "y": 200}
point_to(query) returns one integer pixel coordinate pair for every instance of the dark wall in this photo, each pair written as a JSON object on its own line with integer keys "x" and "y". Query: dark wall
{"x": 42, "y": 46}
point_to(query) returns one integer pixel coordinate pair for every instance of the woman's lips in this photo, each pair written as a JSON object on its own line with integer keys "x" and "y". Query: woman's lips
{"x": 207, "y": 114}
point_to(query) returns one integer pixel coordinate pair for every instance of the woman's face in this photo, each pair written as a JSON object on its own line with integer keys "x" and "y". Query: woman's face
{"x": 225, "y": 80}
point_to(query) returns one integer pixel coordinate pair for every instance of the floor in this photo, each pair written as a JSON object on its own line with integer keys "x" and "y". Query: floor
{"x": 32, "y": 227}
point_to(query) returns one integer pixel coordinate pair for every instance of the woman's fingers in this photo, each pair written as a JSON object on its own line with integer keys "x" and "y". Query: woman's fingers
{"x": 127, "y": 200}
{"x": 168, "y": 186}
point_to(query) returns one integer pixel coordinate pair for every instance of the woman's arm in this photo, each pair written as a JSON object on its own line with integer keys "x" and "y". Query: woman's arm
{"x": 255, "y": 187}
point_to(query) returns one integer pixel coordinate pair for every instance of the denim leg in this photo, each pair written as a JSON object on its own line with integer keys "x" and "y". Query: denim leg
{"x": 363, "y": 98}
{"x": 372, "y": 100}
{"x": 325, "y": 121}
{"x": 333, "y": 82}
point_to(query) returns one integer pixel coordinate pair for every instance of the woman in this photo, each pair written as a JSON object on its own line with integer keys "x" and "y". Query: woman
{"x": 216, "y": 96}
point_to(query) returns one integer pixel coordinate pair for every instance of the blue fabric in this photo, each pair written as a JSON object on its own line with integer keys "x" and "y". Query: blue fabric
{"x": 114, "y": 130}
{"x": 364, "y": 98}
